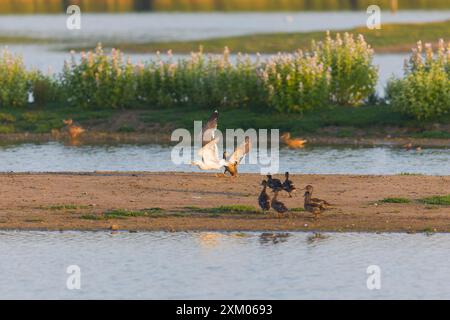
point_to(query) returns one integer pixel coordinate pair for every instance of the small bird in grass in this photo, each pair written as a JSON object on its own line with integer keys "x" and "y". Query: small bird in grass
{"x": 292, "y": 143}
{"x": 264, "y": 199}
{"x": 73, "y": 130}
{"x": 274, "y": 184}
{"x": 277, "y": 205}
{"x": 288, "y": 185}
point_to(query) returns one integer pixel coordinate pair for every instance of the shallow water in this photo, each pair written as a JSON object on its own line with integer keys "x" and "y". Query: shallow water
{"x": 57, "y": 157}
{"x": 140, "y": 27}
{"x": 160, "y": 265}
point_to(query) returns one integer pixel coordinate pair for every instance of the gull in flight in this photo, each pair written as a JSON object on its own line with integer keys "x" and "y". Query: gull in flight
{"x": 209, "y": 153}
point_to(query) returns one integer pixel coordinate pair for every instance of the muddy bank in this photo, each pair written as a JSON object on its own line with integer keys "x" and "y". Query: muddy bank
{"x": 189, "y": 201}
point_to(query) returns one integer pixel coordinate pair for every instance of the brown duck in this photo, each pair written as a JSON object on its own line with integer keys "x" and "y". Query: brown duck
{"x": 292, "y": 143}
{"x": 288, "y": 185}
{"x": 310, "y": 189}
{"x": 278, "y": 206}
{"x": 73, "y": 130}
{"x": 264, "y": 199}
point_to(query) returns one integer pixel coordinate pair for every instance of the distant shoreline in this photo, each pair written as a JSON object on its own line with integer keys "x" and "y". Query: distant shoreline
{"x": 177, "y": 202}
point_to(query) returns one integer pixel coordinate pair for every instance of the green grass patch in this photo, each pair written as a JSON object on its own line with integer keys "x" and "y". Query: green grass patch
{"x": 437, "y": 200}
{"x": 92, "y": 217}
{"x": 123, "y": 213}
{"x": 232, "y": 209}
{"x": 297, "y": 210}
{"x": 66, "y": 207}
{"x": 395, "y": 200}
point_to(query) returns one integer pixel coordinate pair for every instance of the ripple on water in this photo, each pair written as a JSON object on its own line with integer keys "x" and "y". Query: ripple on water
{"x": 223, "y": 265}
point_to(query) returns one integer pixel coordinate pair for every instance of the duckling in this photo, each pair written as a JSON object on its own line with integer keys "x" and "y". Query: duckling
{"x": 278, "y": 206}
{"x": 288, "y": 185}
{"x": 274, "y": 184}
{"x": 295, "y": 143}
{"x": 231, "y": 165}
{"x": 74, "y": 131}
{"x": 264, "y": 199}
{"x": 323, "y": 203}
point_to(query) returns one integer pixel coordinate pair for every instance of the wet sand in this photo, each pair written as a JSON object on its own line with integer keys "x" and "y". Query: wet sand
{"x": 73, "y": 201}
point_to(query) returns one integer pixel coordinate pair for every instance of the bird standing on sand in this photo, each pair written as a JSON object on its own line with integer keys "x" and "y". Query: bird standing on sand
{"x": 236, "y": 158}
{"x": 288, "y": 185}
{"x": 274, "y": 184}
{"x": 73, "y": 130}
{"x": 264, "y": 199}
{"x": 277, "y": 205}
{"x": 314, "y": 205}
{"x": 292, "y": 143}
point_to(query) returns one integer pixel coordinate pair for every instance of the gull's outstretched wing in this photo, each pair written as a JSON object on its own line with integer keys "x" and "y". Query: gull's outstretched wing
{"x": 241, "y": 151}
{"x": 210, "y": 128}
{"x": 210, "y": 155}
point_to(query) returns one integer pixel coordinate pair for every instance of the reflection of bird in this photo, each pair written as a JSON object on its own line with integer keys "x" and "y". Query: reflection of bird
{"x": 73, "y": 130}
{"x": 264, "y": 199}
{"x": 274, "y": 184}
{"x": 277, "y": 205}
{"x": 288, "y": 185}
{"x": 292, "y": 143}
{"x": 209, "y": 129}
{"x": 236, "y": 158}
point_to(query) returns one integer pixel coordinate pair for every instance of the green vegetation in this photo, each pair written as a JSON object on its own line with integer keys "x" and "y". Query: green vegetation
{"x": 437, "y": 200}
{"x": 335, "y": 71}
{"x": 391, "y": 38}
{"x": 395, "y": 200}
{"x": 229, "y": 209}
{"x": 424, "y": 92}
{"x": 122, "y": 213}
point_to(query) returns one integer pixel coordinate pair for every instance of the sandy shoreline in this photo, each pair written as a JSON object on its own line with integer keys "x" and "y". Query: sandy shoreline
{"x": 186, "y": 201}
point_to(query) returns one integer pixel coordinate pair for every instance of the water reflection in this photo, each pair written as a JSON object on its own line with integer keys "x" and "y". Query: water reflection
{"x": 251, "y": 265}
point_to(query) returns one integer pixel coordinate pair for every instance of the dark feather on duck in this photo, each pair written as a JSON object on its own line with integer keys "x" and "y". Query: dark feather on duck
{"x": 288, "y": 185}
{"x": 278, "y": 206}
{"x": 274, "y": 184}
{"x": 264, "y": 199}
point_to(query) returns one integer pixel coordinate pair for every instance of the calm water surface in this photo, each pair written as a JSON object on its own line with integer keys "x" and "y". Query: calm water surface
{"x": 142, "y": 27}
{"x": 57, "y": 157}
{"x": 223, "y": 265}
